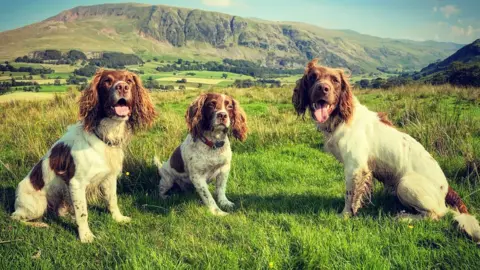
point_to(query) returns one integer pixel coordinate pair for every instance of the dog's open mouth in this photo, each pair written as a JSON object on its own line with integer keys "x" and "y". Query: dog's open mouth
{"x": 322, "y": 110}
{"x": 121, "y": 109}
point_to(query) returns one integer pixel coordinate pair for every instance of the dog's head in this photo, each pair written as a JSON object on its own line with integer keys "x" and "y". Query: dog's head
{"x": 325, "y": 91}
{"x": 118, "y": 95}
{"x": 213, "y": 112}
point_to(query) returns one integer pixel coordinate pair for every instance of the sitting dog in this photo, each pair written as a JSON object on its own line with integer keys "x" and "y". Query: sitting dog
{"x": 369, "y": 146}
{"x": 205, "y": 153}
{"x": 90, "y": 155}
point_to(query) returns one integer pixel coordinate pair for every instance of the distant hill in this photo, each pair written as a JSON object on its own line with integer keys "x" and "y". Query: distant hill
{"x": 148, "y": 30}
{"x": 461, "y": 68}
{"x": 470, "y": 54}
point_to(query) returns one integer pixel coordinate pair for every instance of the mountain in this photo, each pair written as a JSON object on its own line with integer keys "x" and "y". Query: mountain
{"x": 152, "y": 30}
{"x": 469, "y": 54}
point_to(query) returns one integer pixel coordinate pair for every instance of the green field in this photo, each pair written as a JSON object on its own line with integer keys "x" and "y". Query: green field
{"x": 202, "y": 79}
{"x": 287, "y": 192}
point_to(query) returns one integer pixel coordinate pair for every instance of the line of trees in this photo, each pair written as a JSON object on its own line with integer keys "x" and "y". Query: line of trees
{"x": 33, "y": 71}
{"x": 229, "y": 65}
{"x": 251, "y": 83}
{"x": 53, "y": 57}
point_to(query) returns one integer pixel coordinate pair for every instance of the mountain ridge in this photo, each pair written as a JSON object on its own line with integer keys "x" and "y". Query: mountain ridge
{"x": 159, "y": 29}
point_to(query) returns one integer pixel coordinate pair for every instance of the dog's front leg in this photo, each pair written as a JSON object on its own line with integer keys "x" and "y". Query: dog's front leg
{"x": 109, "y": 190}
{"x": 359, "y": 184}
{"x": 200, "y": 183}
{"x": 221, "y": 186}
{"x": 79, "y": 200}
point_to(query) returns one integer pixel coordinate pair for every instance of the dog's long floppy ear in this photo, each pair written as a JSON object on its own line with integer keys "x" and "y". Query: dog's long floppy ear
{"x": 300, "y": 98}
{"x": 193, "y": 116}
{"x": 239, "y": 124}
{"x": 143, "y": 110}
{"x": 89, "y": 103}
{"x": 346, "y": 98}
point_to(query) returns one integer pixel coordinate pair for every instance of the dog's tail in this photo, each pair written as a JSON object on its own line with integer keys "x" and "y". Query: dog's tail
{"x": 466, "y": 222}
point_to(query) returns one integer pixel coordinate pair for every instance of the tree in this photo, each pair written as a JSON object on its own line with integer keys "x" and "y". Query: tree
{"x": 155, "y": 59}
{"x": 57, "y": 82}
{"x": 378, "y": 83}
{"x": 200, "y": 85}
{"x": 224, "y": 75}
{"x": 364, "y": 83}
{"x": 182, "y": 81}
{"x": 181, "y": 87}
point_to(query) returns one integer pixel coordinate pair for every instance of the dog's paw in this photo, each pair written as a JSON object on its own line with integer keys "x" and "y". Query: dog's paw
{"x": 122, "y": 219}
{"x": 86, "y": 236}
{"x": 218, "y": 212}
{"x": 226, "y": 204}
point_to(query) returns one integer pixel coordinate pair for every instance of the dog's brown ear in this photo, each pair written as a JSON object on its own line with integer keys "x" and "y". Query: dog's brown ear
{"x": 346, "y": 98}
{"x": 300, "y": 98}
{"x": 193, "y": 116}
{"x": 89, "y": 103}
{"x": 239, "y": 125}
{"x": 143, "y": 110}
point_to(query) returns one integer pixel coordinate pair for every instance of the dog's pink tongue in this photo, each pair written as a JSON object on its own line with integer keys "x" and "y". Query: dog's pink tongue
{"x": 322, "y": 113}
{"x": 122, "y": 110}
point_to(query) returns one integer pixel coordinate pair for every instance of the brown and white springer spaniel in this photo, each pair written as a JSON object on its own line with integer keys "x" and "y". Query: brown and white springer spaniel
{"x": 205, "y": 154}
{"x": 369, "y": 146}
{"x": 90, "y": 155}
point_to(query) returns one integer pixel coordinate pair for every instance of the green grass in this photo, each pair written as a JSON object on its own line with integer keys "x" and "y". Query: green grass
{"x": 287, "y": 191}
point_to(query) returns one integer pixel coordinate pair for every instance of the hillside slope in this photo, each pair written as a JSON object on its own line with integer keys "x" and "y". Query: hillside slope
{"x": 165, "y": 30}
{"x": 469, "y": 54}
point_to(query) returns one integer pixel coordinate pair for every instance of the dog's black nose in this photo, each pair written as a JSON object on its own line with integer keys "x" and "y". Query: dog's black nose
{"x": 222, "y": 115}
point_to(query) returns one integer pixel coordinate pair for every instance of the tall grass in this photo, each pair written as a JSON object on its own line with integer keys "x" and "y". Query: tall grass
{"x": 287, "y": 191}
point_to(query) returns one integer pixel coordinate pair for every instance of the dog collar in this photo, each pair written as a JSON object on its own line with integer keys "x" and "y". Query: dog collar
{"x": 213, "y": 145}
{"x": 107, "y": 142}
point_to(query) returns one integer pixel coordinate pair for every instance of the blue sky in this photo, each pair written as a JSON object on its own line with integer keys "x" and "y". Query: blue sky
{"x": 441, "y": 20}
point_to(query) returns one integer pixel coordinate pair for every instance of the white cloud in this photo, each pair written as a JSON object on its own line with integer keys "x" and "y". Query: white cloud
{"x": 470, "y": 30}
{"x": 217, "y": 3}
{"x": 463, "y": 32}
{"x": 449, "y": 10}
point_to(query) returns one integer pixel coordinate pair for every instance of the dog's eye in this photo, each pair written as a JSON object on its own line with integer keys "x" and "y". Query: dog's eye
{"x": 335, "y": 80}
{"x": 129, "y": 81}
{"x": 108, "y": 80}
{"x": 229, "y": 107}
{"x": 211, "y": 104}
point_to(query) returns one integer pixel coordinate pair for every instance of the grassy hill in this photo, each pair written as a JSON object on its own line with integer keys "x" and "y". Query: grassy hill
{"x": 287, "y": 191}
{"x": 469, "y": 54}
{"x": 163, "y": 30}
{"x": 461, "y": 68}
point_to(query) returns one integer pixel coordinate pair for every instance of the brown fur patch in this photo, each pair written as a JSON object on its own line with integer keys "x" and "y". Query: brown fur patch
{"x": 36, "y": 176}
{"x": 239, "y": 125}
{"x": 454, "y": 200}
{"x": 384, "y": 118}
{"x": 176, "y": 161}
{"x": 61, "y": 161}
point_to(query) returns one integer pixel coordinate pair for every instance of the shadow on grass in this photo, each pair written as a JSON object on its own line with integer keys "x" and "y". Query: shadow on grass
{"x": 7, "y": 198}
{"x": 312, "y": 203}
